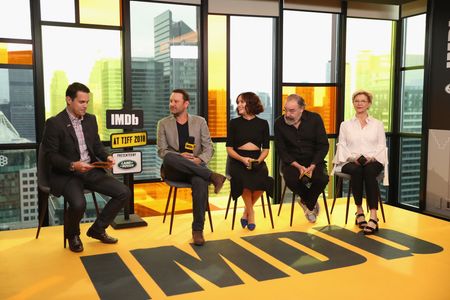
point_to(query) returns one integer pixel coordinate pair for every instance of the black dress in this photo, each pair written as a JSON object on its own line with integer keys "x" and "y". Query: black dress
{"x": 240, "y": 132}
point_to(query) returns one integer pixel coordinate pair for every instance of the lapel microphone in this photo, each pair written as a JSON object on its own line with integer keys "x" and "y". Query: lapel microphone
{"x": 190, "y": 144}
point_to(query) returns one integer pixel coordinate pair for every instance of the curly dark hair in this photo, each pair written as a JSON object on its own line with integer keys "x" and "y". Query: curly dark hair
{"x": 253, "y": 104}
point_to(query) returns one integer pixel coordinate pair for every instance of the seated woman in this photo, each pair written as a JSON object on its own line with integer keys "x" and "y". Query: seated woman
{"x": 247, "y": 147}
{"x": 361, "y": 152}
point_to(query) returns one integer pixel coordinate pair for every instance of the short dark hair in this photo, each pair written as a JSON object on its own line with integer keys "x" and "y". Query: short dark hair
{"x": 253, "y": 104}
{"x": 74, "y": 88}
{"x": 183, "y": 92}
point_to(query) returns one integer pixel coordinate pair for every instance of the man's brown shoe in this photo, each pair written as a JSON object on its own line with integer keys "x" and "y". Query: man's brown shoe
{"x": 198, "y": 238}
{"x": 217, "y": 180}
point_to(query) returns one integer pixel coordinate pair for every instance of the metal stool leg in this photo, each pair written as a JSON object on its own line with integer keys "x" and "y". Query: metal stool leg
{"x": 337, "y": 189}
{"x": 326, "y": 206}
{"x": 173, "y": 209}
{"x": 348, "y": 202}
{"x": 44, "y": 207}
{"x": 292, "y": 207}
{"x": 209, "y": 215}
{"x": 270, "y": 209}
{"x": 167, "y": 204}
{"x": 263, "y": 208}
{"x": 228, "y": 206}
{"x": 282, "y": 200}
{"x": 381, "y": 205}
{"x": 65, "y": 221}
{"x": 234, "y": 213}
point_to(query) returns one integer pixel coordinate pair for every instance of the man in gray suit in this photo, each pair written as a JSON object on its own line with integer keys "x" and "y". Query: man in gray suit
{"x": 185, "y": 145}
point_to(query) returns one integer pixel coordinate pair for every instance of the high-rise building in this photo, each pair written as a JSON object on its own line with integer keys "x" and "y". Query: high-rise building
{"x": 18, "y": 181}
{"x": 58, "y": 86}
{"x": 105, "y": 84}
{"x": 21, "y": 102}
{"x": 153, "y": 79}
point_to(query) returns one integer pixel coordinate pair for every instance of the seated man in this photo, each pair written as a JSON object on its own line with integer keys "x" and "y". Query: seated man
{"x": 187, "y": 164}
{"x": 71, "y": 143}
{"x": 302, "y": 144}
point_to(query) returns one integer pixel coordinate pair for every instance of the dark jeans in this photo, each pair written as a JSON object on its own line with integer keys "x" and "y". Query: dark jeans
{"x": 95, "y": 180}
{"x": 364, "y": 176}
{"x": 308, "y": 195}
{"x": 178, "y": 168}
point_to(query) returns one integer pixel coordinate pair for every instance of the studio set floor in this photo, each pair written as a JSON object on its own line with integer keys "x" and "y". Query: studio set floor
{"x": 408, "y": 259}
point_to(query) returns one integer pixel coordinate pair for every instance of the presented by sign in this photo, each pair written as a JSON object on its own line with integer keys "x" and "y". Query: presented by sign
{"x": 127, "y": 162}
{"x": 131, "y": 139}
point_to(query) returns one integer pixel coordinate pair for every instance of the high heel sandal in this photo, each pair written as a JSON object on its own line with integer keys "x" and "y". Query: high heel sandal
{"x": 361, "y": 224}
{"x": 371, "y": 230}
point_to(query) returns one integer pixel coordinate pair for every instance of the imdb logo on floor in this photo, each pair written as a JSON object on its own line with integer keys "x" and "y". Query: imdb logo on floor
{"x": 166, "y": 264}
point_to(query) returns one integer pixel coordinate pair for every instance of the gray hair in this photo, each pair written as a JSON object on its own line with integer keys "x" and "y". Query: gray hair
{"x": 299, "y": 99}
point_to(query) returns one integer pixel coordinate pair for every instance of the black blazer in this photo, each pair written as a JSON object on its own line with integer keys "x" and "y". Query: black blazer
{"x": 61, "y": 147}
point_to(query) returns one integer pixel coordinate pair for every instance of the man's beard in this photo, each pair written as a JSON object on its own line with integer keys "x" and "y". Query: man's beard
{"x": 290, "y": 121}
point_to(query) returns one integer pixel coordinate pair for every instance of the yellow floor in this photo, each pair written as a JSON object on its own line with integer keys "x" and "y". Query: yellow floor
{"x": 305, "y": 261}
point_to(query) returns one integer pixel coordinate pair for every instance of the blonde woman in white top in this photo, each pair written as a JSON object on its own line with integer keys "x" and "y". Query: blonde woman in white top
{"x": 362, "y": 153}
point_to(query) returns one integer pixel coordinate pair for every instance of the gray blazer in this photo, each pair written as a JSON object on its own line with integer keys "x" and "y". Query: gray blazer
{"x": 167, "y": 139}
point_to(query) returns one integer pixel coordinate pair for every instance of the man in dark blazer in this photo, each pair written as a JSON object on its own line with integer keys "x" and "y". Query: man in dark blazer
{"x": 302, "y": 145}
{"x": 71, "y": 144}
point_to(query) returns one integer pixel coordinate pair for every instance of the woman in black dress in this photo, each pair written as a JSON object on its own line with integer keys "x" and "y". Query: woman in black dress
{"x": 247, "y": 147}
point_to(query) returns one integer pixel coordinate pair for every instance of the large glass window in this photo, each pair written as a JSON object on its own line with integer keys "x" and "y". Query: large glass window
{"x": 251, "y": 62}
{"x": 105, "y": 12}
{"x": 16, "y": 106}
{"x": 321, "y": 100}
{"x": 309, "y": 47}
{"x": 369, "y": 65}
{"x": 411, "y": 103}
{"x": 151, "y": 163}
{"x": 16, "y": 54}
{"x": 58, "y": 10}
{"x": 164, "y": 56}
{"x": 414, "y": 41}
{"x": 217, "y": 75}
{"x": 409, "y": 183}
{"x": 95, "y": 59}
{"x": 18, "y": 189}
{"x": 15, "y": 22}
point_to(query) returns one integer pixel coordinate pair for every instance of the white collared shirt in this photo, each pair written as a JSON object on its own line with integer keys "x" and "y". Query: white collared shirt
{"x": 355, "y": 140}
{"x": 77, "y": 126}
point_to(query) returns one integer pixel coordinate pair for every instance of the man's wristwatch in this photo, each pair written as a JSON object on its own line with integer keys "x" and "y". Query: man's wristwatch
{"x": 72, "y": 167}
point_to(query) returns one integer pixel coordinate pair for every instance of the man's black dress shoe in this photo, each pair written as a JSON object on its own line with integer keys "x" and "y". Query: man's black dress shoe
{"x": 75, "y": 243}
{"x": 102, "y": 237}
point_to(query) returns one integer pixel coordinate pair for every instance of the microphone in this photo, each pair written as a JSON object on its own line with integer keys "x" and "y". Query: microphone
{"x": 190, "y": 144}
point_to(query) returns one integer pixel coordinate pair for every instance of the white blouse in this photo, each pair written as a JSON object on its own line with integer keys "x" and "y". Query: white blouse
{"x": 355, "y": 140}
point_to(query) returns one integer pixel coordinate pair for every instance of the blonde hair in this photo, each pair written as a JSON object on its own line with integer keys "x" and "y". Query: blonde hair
{"x": 363, "y": 92}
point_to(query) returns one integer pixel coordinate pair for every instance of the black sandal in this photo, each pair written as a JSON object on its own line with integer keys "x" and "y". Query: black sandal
{"x": 371, "y": 230}
{"x": 361, "y": 224}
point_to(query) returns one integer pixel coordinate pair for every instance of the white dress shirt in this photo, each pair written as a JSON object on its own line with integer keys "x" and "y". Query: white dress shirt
{"x": 355, "y": 140}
